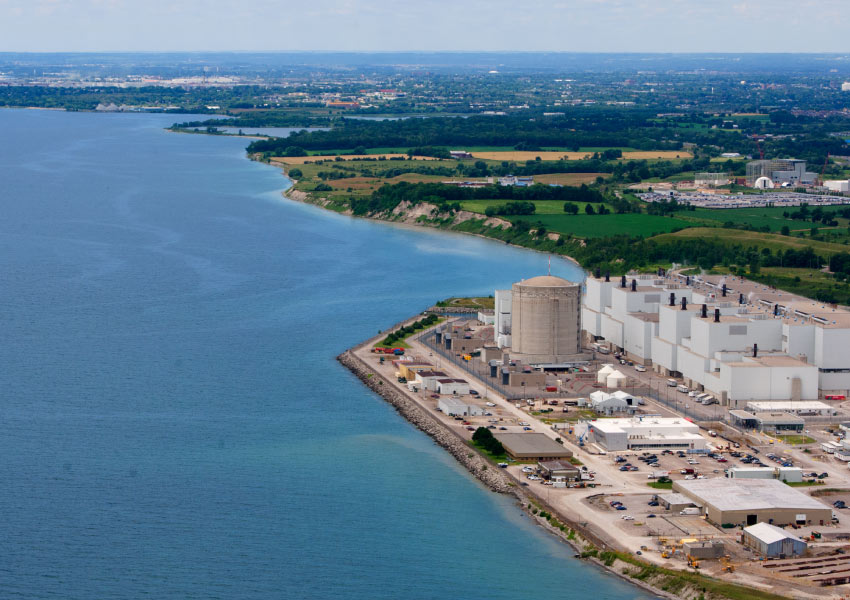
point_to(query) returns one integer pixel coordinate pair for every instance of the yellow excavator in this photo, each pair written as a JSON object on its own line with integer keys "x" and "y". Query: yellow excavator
{"x": 728, "y": 567}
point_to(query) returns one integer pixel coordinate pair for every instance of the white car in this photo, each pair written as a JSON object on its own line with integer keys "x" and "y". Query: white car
{"x": 523, "y": 423}
{"x": 527, "y": 470}
{"x": 640, "y": 368}
{"x": 490, "y": 403}
{"x": 628, "y": 518}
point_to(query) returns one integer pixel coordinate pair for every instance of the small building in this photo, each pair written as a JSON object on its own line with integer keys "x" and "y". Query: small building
{"x": 750, "y": 501}
{"x": 458, "y": 408}
{"x": 551, "y": 469}
{"x": 450, "y": 386}
{"x": 704, "y": 550}
{"x": 772, "y": 542}
{"x": 428, "y": 379}
{"x": 409, "y": 368}
{"x": 768, "y": 421}
{"x": 608, "y": 404}
{"x": 787, "y": 474}
{"x": 674, "y": 502}
{"x": 532, "y": 446}
{"x": 460, "y": 154}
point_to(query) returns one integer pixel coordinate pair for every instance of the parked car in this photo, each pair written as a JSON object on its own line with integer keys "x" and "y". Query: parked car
{"x": 473, "y": 392}
{"x": 628, "y": 518}
{"x": 620, "y": 507}
{"x": 490, "y": 404}
{"x": 640, "y": 368}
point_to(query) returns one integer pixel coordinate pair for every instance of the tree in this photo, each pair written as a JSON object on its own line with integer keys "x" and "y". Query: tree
{"x": 588, "y": 209}
{"x": 296, "y": 173}
{"x": 359, "y": 150}
{"x": 786, "y": 230}
{"x": 570, "y": 208}
{"x": 295, "y": 151}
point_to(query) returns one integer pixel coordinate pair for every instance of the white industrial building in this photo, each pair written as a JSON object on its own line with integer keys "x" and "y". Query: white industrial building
{"x": 772, "y": 542}
{"x": 840, "y": 185}
{"x": 458, "y": 408}
{"x": 786, "y": 474}
{"x": 647, "y": 433}
{"x": 738, "y": 340}
{"x": 813, "y": 407}
{"x": 502, "y": 302}
{"x": 451, "y": 386}
{"x": 605, "y": 403}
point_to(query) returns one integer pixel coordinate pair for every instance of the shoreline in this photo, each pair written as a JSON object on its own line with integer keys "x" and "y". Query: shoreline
{"x": 493, "y": 478}
{"x": 291, "y": 193}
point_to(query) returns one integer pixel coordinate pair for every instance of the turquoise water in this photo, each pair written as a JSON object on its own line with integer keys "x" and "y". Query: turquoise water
{"x": 174, "y": 424}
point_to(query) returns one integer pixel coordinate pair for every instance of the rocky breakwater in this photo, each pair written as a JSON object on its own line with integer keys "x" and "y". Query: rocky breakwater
{"x": 487, "y": 473}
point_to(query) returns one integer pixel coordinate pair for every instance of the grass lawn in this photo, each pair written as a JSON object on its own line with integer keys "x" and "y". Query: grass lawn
{"x": 542, "y": 207}
{"x": 480, "y": 302}
{"x": 757, "y": 217}
{"x": 812, "y": 483}
{"x": 796, "y": 439}
{"x": 588, "y": 226}
{"x": 661, "y": 486}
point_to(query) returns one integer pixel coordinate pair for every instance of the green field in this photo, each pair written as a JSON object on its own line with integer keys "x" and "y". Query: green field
{"x": 753, "y": 238}
{"x": 587, "y": 226}
{"x": 543, "y": 207}
{"x": 757, "y": 217}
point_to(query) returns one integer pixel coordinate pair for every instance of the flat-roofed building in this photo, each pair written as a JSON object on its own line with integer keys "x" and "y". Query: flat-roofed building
{"x": 532, "y": 446}
{"x": 772, "y": 542}
{"x": 451, "y": 386}
{"x": 647, "y": 433}
{"x": 750, "y": 501}
{"x": 458, "y": 408}
{"x": 802, "y": 407}
{"x": 558, "y": 468}
{"x": 777, "y": 422}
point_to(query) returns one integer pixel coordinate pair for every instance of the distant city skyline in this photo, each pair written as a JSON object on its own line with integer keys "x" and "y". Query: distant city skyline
{"x": 426, "y": 25}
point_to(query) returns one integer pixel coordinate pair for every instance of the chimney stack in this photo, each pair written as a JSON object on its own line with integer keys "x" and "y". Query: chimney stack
{"x": 687, "y": 280}
{"x": 623, "y": 281}
{"x": 607, "y": 276}
{"x": 672, "y": 299}
{"x": 684, "y": 303}
{"x": 775, "y": 310}
{"x": 755, "y": 350}
{"x": 634, "y": 285}
{"x": 597, "y": 273}
{"x": 724, "y": 290}
{"x": 704, "y": 311}
{"x": 740, "y": 298}
{"x": 717, "y": 315}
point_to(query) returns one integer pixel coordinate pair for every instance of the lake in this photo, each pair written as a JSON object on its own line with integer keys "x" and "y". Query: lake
{"x": 174, "y": 423}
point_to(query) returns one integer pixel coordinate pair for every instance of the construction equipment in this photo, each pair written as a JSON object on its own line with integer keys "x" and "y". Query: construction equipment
{"x": 823, "y": 170}
{"x": 693, "y": 562}
{"x": 728, "y": 567}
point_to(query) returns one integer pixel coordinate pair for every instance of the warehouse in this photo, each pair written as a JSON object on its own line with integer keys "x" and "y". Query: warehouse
{"x": 532, "y": 446}
{"x": 674, "y": 502}
{"x": 772, "y": 542}
{"x": 458, "y": 408}
{"x": 750, "y": 501}
{"x": 452, "y": 386}
{"x": 647, "y": 433}
{"x": 558, "y": 468}
{"x": 428, "y": 379}
{"x": 799, "y": 407}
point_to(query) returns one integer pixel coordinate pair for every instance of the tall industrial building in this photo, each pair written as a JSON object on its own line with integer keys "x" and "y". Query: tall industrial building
{"x": 789, "y": 172}
{"x": 545, "y": 320}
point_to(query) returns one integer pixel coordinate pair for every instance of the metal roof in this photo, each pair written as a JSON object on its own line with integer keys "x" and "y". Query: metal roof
{"x": 748, "y": 494}
{"x": 531, "y": 444}
{"x": 770, "y": 534}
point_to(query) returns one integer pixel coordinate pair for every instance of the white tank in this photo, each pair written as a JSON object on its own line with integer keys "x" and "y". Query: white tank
{"x": 616, "y": 380}
{"x": 603, "y": 373}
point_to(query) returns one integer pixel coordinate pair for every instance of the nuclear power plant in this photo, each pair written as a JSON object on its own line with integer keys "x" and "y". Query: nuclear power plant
{"x": 539, "y": 320}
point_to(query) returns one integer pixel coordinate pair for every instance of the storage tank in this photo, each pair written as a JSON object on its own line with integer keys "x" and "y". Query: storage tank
{"x": 616, "y": 380}
{"x": 546, "y": 317}
{"x": 603, "y": 373}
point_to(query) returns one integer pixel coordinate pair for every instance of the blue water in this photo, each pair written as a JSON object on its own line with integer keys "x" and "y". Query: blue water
{"x": 173, "y": 423}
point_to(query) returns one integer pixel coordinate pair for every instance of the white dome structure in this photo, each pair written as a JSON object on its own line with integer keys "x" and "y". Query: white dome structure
{"x": 763, "y": 183}
{"x": 603, "y": 373}
{"x": 616, "y": 379}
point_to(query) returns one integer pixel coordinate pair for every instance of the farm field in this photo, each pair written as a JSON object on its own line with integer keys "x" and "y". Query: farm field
{"x": 543, "y": 207}
{"x": 572, "y": 179}
{"x": 754, "y": 238}
{"x": 590, "y": 226}
{"x": 757, "y": 217}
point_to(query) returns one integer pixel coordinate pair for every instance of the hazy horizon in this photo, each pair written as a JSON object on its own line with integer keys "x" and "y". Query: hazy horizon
{"x": 370, "y": 26}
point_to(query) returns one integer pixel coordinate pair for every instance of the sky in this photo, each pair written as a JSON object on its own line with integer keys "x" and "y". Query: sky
{"x": 426, "y": 25}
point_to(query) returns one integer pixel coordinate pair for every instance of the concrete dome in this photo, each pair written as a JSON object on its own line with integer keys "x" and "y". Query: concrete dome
{"x": 763, "y": 183}
{"x": 546, "y": 281}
